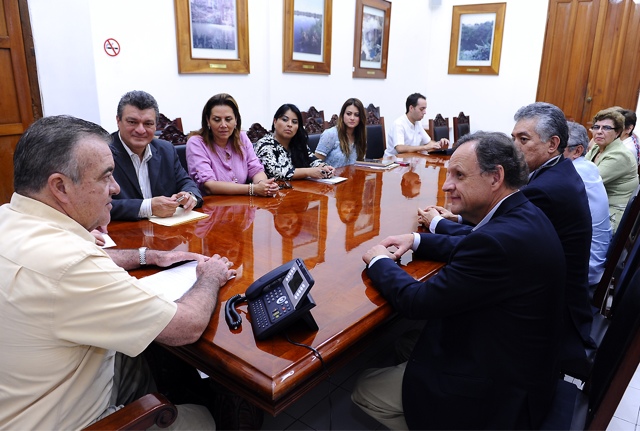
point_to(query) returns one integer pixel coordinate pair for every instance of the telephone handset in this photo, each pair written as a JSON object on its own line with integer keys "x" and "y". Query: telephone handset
{"x": 276, "y": 300}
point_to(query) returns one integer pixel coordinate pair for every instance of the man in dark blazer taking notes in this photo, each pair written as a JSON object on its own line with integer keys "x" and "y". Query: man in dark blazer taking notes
{"x": 152, "y": 180}
{"x": 488, "y": 355}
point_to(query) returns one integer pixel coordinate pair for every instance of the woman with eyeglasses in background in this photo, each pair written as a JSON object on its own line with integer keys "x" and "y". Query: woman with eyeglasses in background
{"x": 284, "y": 152}
{"x": 616, "y": 164}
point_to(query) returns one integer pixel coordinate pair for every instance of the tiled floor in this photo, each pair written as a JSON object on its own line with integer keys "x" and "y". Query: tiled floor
{"x": 329, "y": 405}
{"x": 626, "y": 416}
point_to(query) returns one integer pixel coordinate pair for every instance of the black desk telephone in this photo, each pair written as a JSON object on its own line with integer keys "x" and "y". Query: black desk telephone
{"x": 276, "y": 300}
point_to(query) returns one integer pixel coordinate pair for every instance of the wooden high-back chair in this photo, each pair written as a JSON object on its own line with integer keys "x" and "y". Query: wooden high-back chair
{"x": 619, "y": 248}
{"x": 439, "y": 128}
{"x": 256, "y": 132}
{"x": 461, "y": 126}
{"x": 313, "y": 121}
{"x": 615, "y": 363}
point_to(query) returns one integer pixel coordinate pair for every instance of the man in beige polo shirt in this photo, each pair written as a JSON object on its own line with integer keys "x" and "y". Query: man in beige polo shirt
{"x": 71, "y": 315}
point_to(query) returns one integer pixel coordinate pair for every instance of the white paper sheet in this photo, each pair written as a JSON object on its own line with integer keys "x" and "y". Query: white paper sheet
{"x": 172, "y": 283}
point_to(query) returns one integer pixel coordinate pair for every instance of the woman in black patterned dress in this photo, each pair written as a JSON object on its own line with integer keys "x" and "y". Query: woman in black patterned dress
{"x": 284, "y": 153}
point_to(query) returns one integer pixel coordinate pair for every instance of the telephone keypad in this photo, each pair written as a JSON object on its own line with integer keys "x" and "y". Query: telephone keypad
{"x": 277, "y": 305}
{"x": 259, "y": 314}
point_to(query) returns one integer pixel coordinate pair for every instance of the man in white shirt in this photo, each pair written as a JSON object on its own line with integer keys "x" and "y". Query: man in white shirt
{"x": 598, "y": 201}
{"x": 407, "y": 135}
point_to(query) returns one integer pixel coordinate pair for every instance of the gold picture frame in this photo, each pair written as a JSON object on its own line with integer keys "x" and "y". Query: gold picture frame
{"x": 305, "y": 47}
{"x": 483, "y": 25}
{"x": 371, "y": 42}
{"x": 212, "y": 39}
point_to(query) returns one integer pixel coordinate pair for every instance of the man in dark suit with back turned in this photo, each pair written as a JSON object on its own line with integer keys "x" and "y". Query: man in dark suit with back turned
{"x": 555, "y": 187}
{"x": 152, "y": 180}
{"x": 487, "y": 357}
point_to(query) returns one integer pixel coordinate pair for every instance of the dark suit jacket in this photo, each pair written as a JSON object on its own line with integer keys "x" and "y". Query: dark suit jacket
{"x": 166, "y": 174}
{"x": 488, "y": 355}
{"x": 559, "y": 192}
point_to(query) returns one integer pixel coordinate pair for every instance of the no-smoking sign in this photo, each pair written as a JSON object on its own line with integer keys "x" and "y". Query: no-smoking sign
{"x": 111, "y": 47}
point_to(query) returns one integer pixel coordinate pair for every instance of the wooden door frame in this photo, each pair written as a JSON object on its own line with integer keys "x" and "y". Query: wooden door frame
{"x": 606, "y": 76}
{"x": 30, "y": 55}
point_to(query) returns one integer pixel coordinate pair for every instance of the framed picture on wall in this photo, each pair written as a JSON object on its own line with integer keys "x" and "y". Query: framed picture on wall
{"x": 371, "y": 42}
{"x": 307, "y": 36}
{"x": 212, "y": 36}
{"x": 476, "y": 39}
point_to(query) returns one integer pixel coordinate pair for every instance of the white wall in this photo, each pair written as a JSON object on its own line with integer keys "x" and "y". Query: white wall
{"x": 490, "y": 100}
{"x": 77, "y": 77}
{"x": 65, "y": 58}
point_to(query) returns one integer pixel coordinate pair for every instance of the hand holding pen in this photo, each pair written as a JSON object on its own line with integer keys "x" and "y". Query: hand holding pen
{"x": 186, "y": 200}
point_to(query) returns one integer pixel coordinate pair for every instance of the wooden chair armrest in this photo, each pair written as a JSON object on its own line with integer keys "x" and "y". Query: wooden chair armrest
{"x": 152, "y": 409}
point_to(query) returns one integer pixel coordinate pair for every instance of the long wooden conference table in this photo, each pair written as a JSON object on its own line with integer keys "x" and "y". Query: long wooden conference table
{"x": 330, "y": 227}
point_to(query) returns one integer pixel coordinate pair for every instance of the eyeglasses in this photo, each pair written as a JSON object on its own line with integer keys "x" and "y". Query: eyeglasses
{"x": 282, "y": 184}
{"x": 597, "y": 127}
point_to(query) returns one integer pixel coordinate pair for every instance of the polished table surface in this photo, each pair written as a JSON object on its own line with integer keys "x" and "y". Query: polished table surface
{"x": 330, "y": 227}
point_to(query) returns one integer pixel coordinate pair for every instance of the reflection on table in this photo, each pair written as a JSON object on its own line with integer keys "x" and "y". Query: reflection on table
{"x": 329, "y": 227}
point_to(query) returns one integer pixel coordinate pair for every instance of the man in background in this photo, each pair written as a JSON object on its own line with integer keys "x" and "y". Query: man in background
{"x": 598, "y": 201}
{"x": 407, "y": 135}
{"x": 152, "y": 180}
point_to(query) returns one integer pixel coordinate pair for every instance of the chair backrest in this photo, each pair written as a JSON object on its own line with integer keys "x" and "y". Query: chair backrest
{"x": 616, "y": 359}
{"x": 163, "y": 121}
{"x": 621, "y": 280}
{"x": 256, "y": 132}
{"x": 313, "y": 120}
{"x": 621, "y": 243}
{"x": 313, "y": 141}
{"x": 332, "y": 122}
{"x": 173, "y": 134}
{"x": 614, "y": 366}
{"x": 171, "y": 131}
{"x": 182, "y": 155}
{"x": 461, "y": 126}
{"x": 373, "y": 114}
{"x": 375, "y": 141}
{"x": 439, "y": 128}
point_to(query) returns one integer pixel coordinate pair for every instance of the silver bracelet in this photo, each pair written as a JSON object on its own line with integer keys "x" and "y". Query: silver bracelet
{"x": 250, "y": 189}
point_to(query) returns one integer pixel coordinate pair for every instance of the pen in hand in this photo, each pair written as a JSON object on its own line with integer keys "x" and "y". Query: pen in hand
{"x": 180, "y": 199}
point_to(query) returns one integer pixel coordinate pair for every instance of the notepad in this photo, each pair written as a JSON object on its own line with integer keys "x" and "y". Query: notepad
{"x": 333, "y": 180}
{"x": 376, "y": 163}
{"x": 179, "y": 217}
{"x": 376, "y": 166}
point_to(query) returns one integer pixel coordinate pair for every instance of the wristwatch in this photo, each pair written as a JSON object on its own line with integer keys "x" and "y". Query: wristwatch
{"x": 143, "y": 255}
